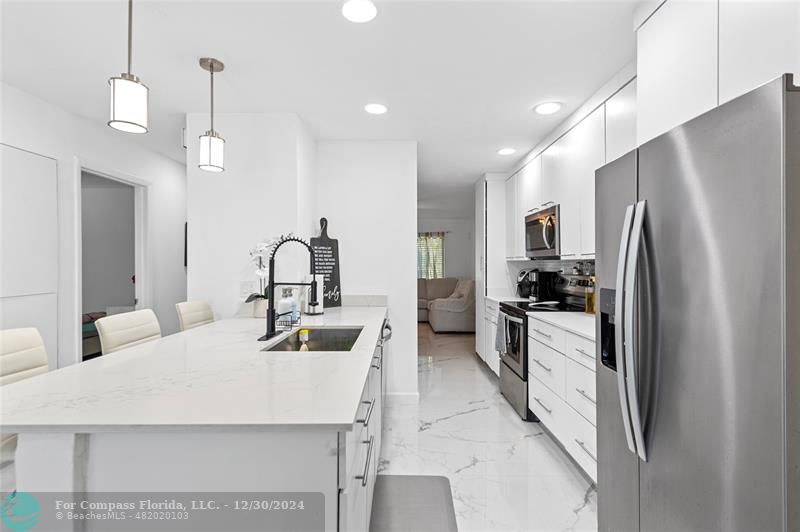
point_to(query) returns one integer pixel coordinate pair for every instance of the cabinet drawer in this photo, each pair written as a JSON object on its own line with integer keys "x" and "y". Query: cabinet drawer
{"x": 581, "y": 350}
{"x": 365, "y": 416}
{"x": 550, "y": 335}
{"x": 353, "y": 499}
{"x": 547, "y": 365}
{"x": 551, "y": 410}
{"x": 580, "y": 439}
{"x": 581, "y": 393}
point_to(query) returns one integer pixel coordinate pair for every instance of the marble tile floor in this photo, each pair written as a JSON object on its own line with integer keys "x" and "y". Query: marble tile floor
{"x": 506, "y": 474}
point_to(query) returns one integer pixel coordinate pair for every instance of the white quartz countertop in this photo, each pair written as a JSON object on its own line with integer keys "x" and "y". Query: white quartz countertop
{"x": 213, "y": 377}
{"x": 576, "y": 322}
{"x": 498, "y": 298}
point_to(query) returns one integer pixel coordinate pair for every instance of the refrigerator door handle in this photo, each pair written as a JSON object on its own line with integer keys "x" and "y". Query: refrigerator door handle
{"x": 619, "y": 327}
{"x": 630, "y": 345}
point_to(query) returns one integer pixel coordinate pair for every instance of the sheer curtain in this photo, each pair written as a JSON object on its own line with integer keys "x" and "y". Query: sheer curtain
{"x": 430, "y": 255}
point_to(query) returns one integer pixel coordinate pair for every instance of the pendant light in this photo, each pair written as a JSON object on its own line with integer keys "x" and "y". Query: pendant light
{"x": 129, "y": 96}
{"x": 212, "y": 146}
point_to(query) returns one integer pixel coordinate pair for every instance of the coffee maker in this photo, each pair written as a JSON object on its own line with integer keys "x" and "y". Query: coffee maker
{"x": 543, "y": 286}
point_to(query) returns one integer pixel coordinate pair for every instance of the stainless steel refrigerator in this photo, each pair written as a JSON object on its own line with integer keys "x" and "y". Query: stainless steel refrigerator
{"x": 698, "y": 265}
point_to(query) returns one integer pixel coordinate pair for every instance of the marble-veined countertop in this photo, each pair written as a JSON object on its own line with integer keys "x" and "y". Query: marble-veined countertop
{"x": 213, "y": 377}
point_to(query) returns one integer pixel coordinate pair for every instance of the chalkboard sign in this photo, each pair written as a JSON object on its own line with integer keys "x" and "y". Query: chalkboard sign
{"x": 326, "y": 255}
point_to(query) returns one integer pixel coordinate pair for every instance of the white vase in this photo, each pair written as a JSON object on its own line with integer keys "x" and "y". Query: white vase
{"x": 260, "y": 308}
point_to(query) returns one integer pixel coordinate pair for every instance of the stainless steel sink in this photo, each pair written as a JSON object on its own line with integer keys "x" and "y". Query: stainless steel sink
{"x": 320, "y": 339}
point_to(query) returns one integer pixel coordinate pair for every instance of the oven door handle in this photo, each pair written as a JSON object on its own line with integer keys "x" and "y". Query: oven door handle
{"x": 512, "y": 319}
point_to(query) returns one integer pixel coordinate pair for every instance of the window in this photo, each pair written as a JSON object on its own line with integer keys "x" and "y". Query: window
{"x": 430, "y": 255}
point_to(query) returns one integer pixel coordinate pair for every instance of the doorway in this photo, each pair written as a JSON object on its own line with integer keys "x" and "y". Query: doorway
{"x": 108, "y": 254}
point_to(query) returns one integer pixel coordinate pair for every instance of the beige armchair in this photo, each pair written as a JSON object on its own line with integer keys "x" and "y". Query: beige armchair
{"x": 430, "y": 289}
{"x": 455, "y": 313}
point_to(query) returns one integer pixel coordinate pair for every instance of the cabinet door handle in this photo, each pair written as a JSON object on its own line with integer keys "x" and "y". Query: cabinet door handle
{"x": 378, "y": 364}
{"x": 586, "y": 395}
{"x": 542, "y": 405}
{"x": 537, "y": 331}
{"x": 366, "y": 419}
{"x": 584, "y": 353}
{"x": 549, "y": 370}
{"x": 582, "y": 445}
{"x": 363, "y": 476}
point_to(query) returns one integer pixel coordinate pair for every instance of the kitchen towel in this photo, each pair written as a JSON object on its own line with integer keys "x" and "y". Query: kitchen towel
{"x": 500, "y": 337}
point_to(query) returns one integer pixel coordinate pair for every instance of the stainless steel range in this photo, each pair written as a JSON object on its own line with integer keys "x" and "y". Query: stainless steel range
{"x": 514, "y": 321}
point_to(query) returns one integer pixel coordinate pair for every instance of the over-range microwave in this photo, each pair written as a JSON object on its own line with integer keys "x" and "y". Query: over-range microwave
{"x": 543, "y": 234}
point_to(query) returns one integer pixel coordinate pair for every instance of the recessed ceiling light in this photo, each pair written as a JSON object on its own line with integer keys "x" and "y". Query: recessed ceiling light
{"x": 359, "y": 10}
{"x": 506, "y": 151}
{"x": 375, "y": 108}
{"x": 547, "y": 108}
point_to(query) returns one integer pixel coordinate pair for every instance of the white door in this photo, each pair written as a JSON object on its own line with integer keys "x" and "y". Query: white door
{"x": 29, "y": 245}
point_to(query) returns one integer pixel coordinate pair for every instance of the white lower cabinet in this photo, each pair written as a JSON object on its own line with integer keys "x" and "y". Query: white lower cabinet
{"x": 561, "y": 389}
{"x": 359, "y": 460}
{"x": 547, "y": 365}
{"x": 490, "y": 355}
{"x": 580, "y": 390}
{"x": 580, "y": 439}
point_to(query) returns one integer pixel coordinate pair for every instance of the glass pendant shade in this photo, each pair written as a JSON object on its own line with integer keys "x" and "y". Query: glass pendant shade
{"x": 212, "y": 152}
{"x": 129, "y": 102}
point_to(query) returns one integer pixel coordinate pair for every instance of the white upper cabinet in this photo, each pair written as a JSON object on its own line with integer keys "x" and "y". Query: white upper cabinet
{"x": 676, "y": 65}
{"x": 621, "y": 122}
{"x": 523, "y": 195}
{"x": 592, "y": 146}
{"x": 511, "y": 217}
{"x": 559, "y": 189}
{"x": 529, "y": 189}
{"x": 568, "y": 168}
{"x": 758, "y": 41}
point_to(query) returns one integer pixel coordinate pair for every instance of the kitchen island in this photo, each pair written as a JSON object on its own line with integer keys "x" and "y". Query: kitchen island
{"x": 207, "y": 410}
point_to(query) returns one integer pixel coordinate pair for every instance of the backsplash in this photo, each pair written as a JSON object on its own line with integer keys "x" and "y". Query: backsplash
{"x": 514, "y": 267}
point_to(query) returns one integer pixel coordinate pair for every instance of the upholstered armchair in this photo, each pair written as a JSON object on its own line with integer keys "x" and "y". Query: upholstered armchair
{"x": 455, "y": 313}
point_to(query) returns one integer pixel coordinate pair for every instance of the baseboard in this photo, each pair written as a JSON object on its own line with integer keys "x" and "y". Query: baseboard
{"x": 402, "y": 398}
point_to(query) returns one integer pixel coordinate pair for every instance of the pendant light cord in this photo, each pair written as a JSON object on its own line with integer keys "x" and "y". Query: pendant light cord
{"x": 130, "y": 34}
{"x": 212, "y": 98}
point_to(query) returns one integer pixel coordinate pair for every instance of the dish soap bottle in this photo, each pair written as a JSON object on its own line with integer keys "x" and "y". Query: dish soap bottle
{"x": 287, "y": 307}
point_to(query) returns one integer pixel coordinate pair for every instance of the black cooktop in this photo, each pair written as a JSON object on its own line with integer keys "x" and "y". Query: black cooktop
{"x": 520, "y": 308}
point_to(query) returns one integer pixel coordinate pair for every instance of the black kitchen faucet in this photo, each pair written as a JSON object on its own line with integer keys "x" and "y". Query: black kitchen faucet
{"x": 272, "y": 318}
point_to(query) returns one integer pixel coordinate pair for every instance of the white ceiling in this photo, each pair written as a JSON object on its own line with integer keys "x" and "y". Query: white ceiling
{"x": 460, "y": 77}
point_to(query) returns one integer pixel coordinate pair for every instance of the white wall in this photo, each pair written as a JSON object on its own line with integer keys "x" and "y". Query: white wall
{"x": 32, "y": 124}
{"x": 459, "y": 243}
{"x": 108, "y": 243}
{"x": 368, "y": 193}
{"x": 266, "y": 190}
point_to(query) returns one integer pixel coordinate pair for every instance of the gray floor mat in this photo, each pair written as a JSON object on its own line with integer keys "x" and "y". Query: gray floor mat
{"x": 412, "y": 503}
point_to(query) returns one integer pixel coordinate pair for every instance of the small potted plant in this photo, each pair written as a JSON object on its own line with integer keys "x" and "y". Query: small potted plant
{"x": 259, "y": 255}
